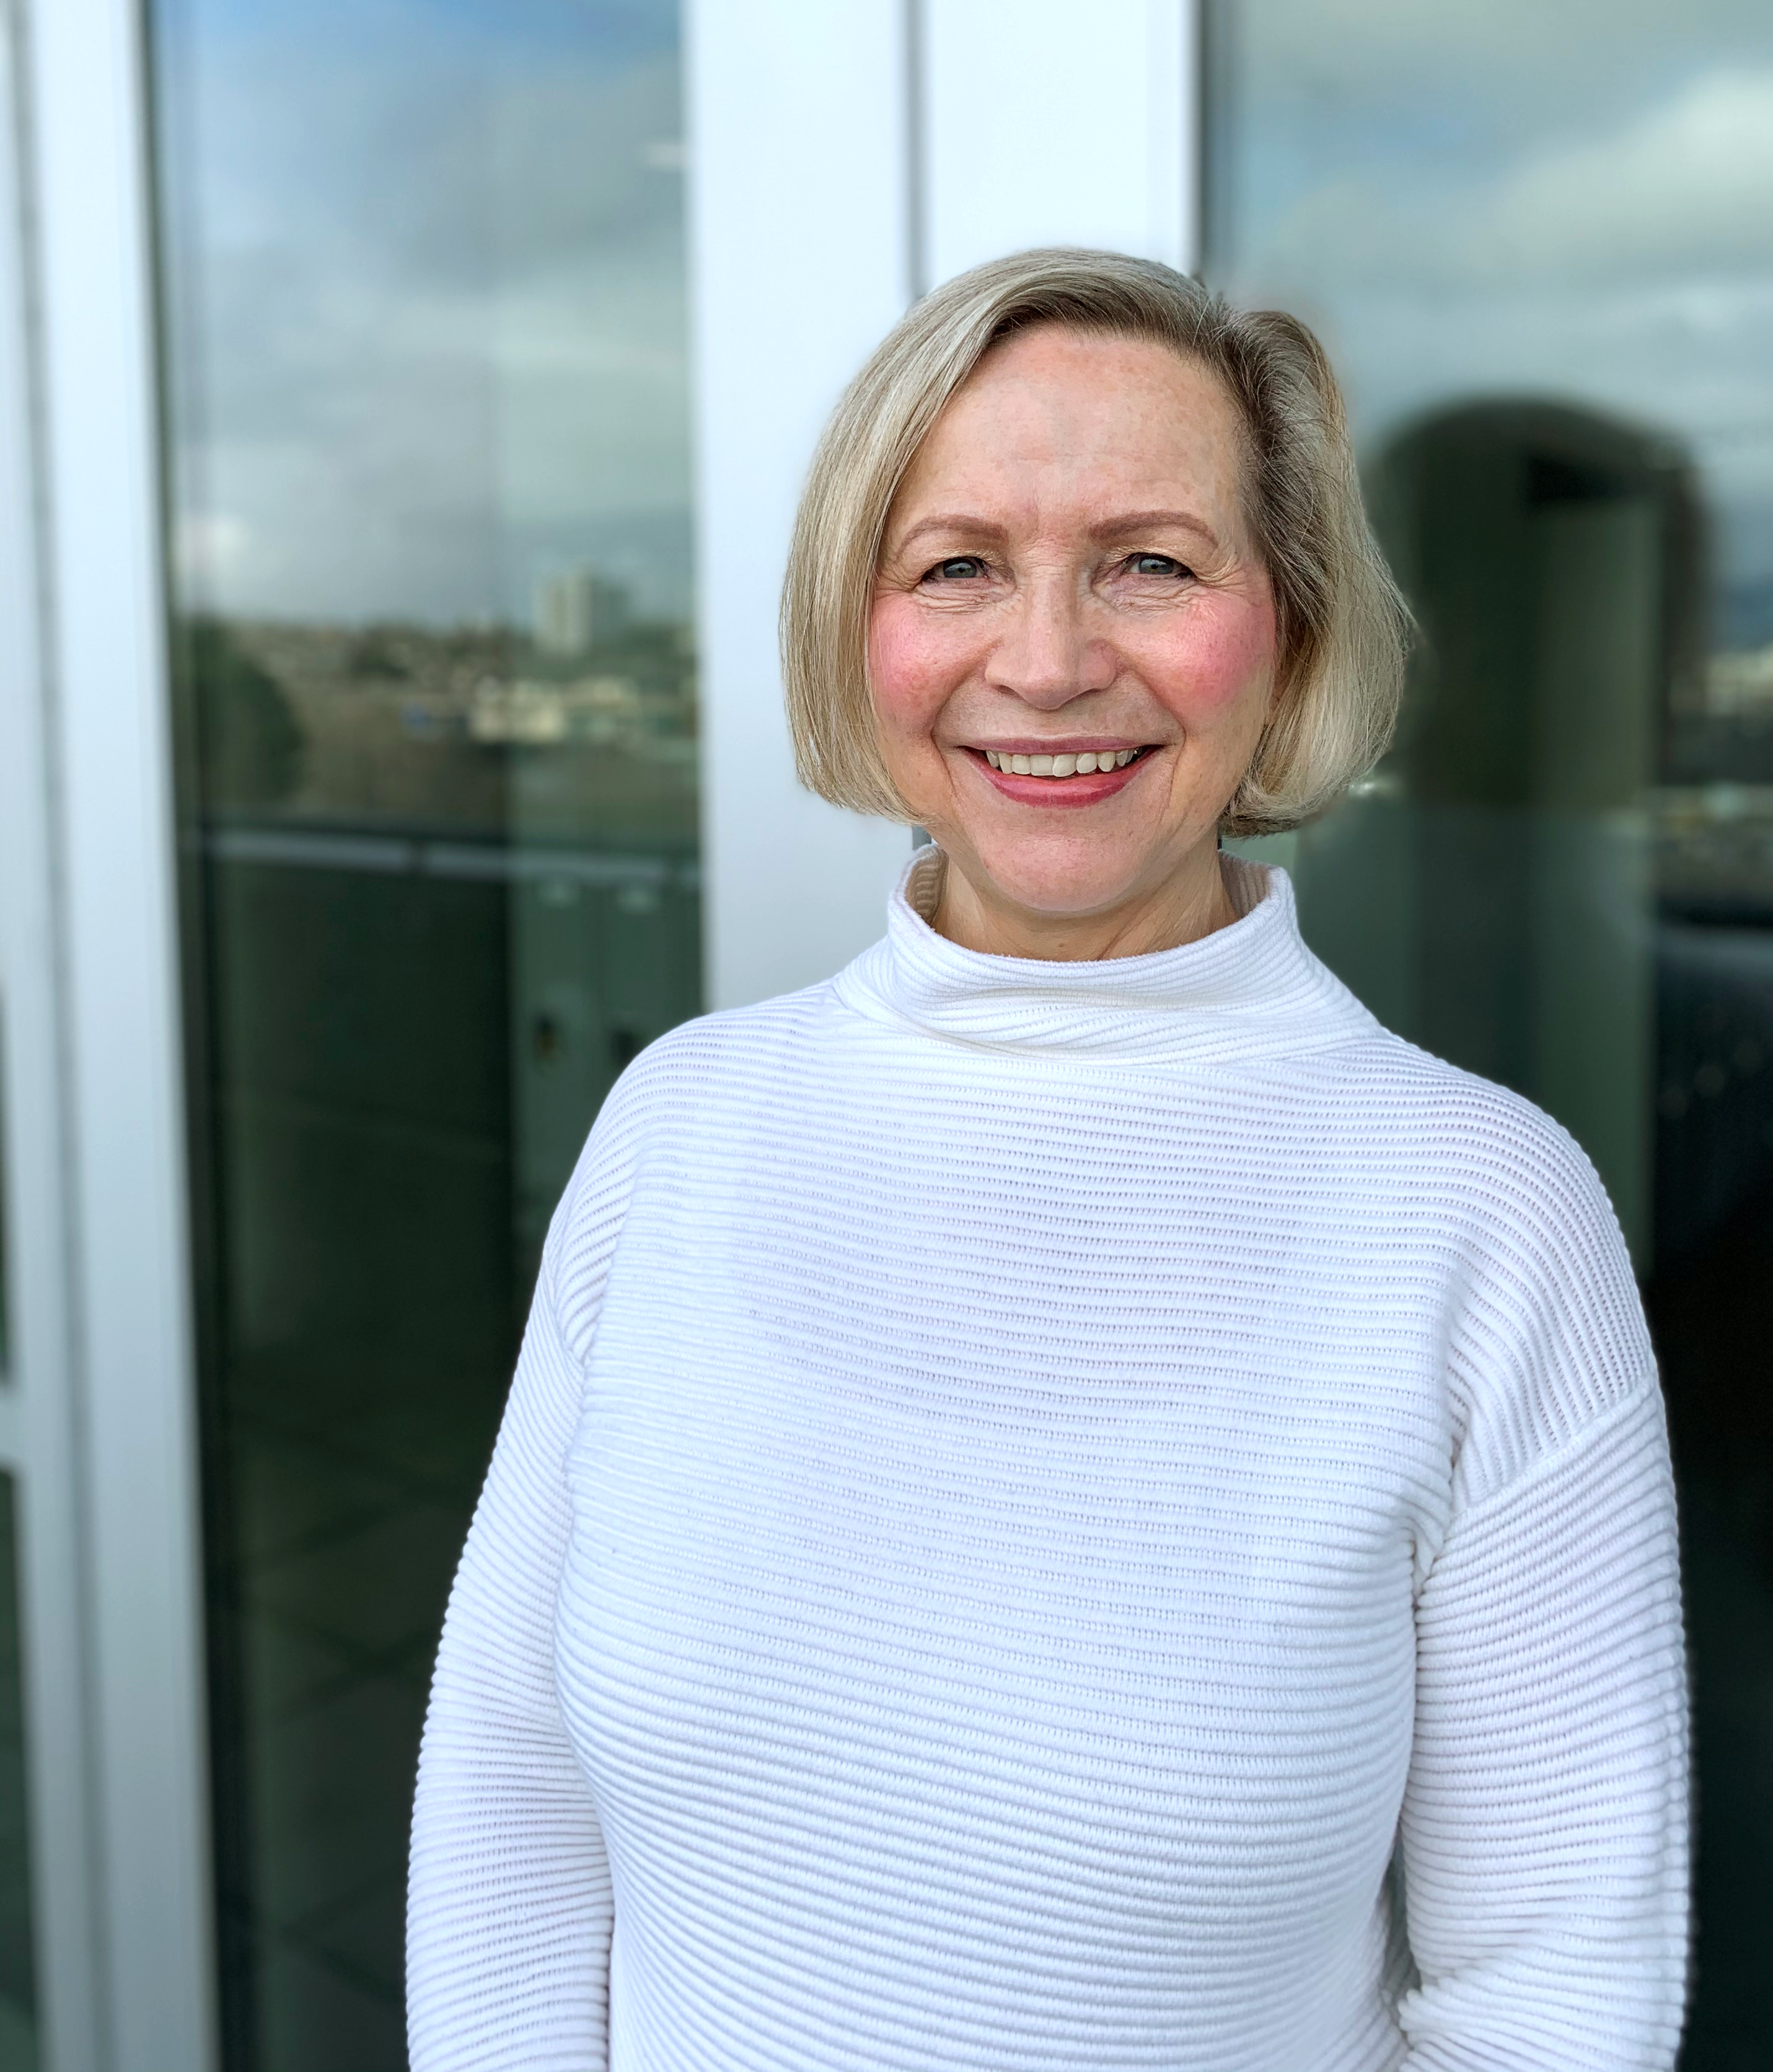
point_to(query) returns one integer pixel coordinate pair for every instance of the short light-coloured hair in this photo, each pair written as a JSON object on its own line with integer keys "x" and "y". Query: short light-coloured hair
{"x": 1342, "y": 629}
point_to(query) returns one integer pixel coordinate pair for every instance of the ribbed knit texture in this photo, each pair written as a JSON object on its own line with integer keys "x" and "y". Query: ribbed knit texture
{"x": 1062, "y": 1516}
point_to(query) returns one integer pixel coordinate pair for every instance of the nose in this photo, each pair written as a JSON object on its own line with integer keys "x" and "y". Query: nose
{"x": 1045, "y": 655}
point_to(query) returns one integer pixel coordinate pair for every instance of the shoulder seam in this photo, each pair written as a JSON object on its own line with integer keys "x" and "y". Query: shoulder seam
{"x": 1591, "y": 1429}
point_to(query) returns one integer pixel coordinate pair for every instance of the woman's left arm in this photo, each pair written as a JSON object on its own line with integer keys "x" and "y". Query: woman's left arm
{"x": 511, "y": 1907}
{"x": 1545, "y": 1827}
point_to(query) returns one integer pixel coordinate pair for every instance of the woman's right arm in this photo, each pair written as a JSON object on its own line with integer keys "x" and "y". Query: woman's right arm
{"x": 509, "y": 1909}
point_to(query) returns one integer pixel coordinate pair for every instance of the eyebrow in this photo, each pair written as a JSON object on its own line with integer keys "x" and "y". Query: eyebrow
{"x": 953, "y": 521}
{"x": 1142, "y": 521}
{"x": 1124, "y": 525}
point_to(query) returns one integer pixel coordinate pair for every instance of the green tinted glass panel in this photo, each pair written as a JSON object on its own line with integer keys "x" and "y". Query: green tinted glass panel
{"x": 6, "y": 1324}
{"x": 17, "y": 1974}
{"x": 423, "y": 289}
{"x": 1538, "y": 242}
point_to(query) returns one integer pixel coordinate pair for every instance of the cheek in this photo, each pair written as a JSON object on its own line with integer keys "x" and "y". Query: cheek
{"x": 914, "y": 661}
{"x": 1220, "y": 665}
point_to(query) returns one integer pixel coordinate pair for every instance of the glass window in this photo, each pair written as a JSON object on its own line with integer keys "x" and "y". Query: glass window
{"x": 427, "y": 397}
{"x": 18, "y": 1977}
{"x": 1538, "y": 242}
{"x": 6, "y": 1329}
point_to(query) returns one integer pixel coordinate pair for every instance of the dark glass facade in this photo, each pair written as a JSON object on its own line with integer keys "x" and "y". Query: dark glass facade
{"x": 1538, "y": 243}
{"x": 425, "y": 397}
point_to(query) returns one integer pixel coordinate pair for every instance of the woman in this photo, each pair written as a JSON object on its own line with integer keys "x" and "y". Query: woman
{"x": 1068, "y": 1501}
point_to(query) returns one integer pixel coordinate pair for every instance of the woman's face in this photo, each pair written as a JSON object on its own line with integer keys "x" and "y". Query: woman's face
{"x": 1066, "y": 575}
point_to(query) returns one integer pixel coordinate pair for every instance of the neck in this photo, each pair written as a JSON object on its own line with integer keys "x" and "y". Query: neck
{"x": 1193, "y": 903}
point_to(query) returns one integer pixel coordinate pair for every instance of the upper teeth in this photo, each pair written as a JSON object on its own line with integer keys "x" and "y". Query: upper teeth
{"x": 1060, "y": 765}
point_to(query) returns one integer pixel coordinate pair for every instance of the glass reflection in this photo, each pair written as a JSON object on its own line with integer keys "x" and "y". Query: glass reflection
{"x": 424, "y": 295}
{"x": 5, "y": 1328}
{"x": 1539, "y": 244}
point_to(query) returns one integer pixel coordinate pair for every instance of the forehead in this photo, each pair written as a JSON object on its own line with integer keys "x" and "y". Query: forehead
{"x": 1054, "y": 412}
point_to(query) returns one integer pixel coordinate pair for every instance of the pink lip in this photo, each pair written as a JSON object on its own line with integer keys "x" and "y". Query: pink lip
{"x": 1088, "y": 790}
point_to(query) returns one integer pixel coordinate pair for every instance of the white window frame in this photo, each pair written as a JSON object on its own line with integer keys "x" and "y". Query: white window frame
{"x": 99, "y": 1419}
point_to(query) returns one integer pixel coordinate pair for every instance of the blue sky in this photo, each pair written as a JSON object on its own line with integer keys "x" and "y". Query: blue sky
{"x": 612, "y": 33}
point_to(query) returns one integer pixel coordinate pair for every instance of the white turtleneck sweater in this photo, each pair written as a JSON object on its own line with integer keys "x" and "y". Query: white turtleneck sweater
{"x": 1062, "y": 1516}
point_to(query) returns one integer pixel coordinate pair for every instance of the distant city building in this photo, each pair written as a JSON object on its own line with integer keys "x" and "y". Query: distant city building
{"x": 575, "y": 610}
{"x": 1741, "y": 685}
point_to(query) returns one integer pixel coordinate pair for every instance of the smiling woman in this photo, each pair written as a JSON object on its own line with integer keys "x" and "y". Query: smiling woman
{"x": 1068, "y": 1499}
{"x": 1125, "y": 506}
{"x": 1260, "y": 433}
{"x": 1094, "y": 599}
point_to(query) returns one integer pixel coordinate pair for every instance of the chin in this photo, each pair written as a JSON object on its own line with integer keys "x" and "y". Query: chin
{"x": 1059, "y": 877}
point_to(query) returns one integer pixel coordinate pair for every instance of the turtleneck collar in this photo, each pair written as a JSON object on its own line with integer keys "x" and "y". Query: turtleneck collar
{"x": 1249, "y": 990}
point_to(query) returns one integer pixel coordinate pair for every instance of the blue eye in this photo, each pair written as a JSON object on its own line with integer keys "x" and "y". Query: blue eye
{"x": 960, "y": 569}
{"x": 1157, "y": 564}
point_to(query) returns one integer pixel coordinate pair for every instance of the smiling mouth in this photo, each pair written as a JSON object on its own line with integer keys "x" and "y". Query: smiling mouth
{"x": 1086, "y": 764}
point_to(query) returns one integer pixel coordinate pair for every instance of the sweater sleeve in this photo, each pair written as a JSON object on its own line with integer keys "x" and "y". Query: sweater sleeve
{"x": 1543, "y": 1842}
{"x": 509, "y": 1907}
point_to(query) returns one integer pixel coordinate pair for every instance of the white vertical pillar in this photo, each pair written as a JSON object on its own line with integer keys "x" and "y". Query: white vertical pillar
{"x": 1057, "y": 123}
{"x": 799, "y": 121}
{"x": 39, "y": 1430}
{"x": 842, "y": 158}
{"x": 130, "y": 1370}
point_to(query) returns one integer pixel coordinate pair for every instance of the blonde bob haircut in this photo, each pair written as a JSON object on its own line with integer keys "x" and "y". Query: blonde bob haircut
{"x": 1343, "y": 628}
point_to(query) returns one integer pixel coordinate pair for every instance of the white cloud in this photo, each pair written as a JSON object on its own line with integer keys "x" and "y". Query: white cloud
{"x": 1687, "y": 187}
